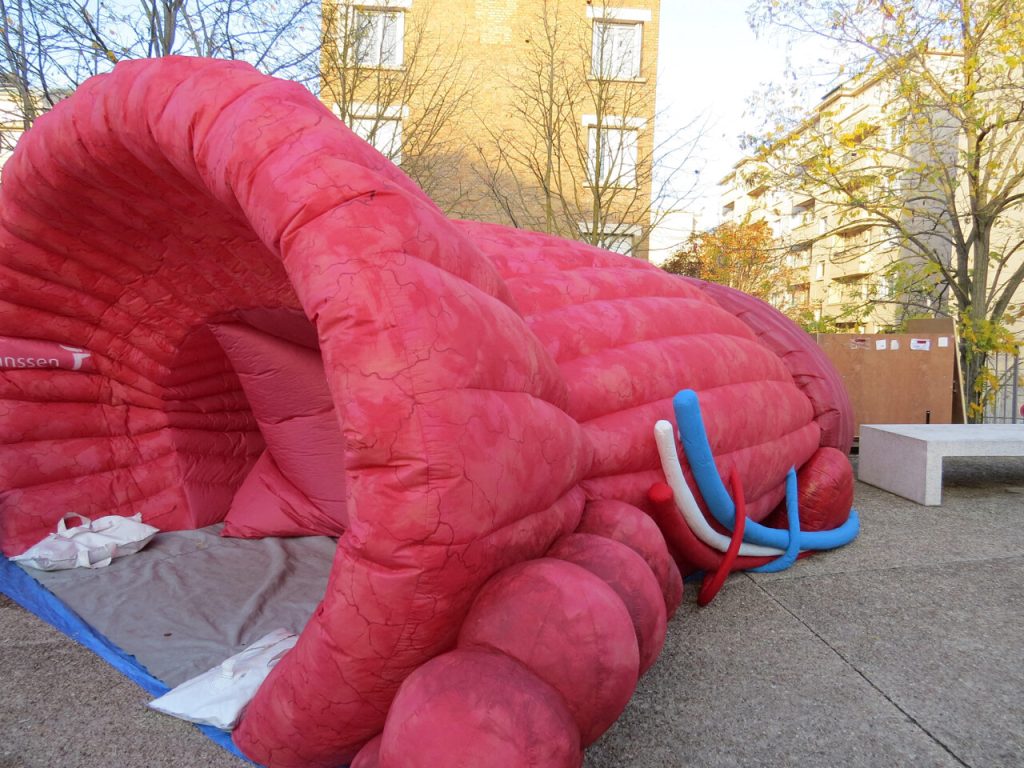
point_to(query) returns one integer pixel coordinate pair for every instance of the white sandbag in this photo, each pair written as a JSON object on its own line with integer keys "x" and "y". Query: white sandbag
{"x": 220, "y": 695}
{"x": 93, "y": 544}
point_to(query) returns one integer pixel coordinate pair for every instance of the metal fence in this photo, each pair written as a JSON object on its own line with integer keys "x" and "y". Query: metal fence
{"x": 1005, "y": 407}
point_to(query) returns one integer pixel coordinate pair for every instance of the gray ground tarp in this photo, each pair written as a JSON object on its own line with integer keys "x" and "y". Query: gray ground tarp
{"x": 192, "y": 598}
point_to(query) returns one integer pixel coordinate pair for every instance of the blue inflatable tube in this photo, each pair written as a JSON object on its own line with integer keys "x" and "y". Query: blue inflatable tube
{"x": 702, "y": 464}
{"x": 782, "y": 562}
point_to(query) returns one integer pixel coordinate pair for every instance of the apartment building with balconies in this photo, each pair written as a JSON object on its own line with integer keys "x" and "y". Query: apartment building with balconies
{"x": 534, "y": 113}
{"x": 822, "y": 188}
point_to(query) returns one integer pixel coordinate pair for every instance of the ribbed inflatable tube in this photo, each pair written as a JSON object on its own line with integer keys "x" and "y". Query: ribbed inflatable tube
{"x": 486, "y": 383}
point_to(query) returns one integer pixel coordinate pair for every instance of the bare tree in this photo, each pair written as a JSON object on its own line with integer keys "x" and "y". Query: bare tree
{"x": 48, "y": 47}
{"x": 523, "y": 165}
{"x": 387, "y": 73}
{"x": 277, "y": 38}
{"x": 30, "y": 78}
{"x": 579, "y": 157}
{"x": 399, "y": 84}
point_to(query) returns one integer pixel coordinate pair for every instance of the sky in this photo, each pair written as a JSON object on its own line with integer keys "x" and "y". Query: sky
{"x": 709, "y": 63}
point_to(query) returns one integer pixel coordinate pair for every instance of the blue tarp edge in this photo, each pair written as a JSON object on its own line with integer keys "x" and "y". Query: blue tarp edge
{"x": 38, "y": 600}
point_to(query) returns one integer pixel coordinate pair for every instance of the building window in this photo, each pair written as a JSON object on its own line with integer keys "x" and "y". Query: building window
{"x": 616, "y": 50}
{"x": 615, "y": 237}
{"x": 613, "y": 156}
{"x": 898, "y": 136}
{"x": 819, "y": 270}
{"x": 376, "y": 37}
{"x": 799, "y": 256}
{"x": 617, "y": 243}
{"x": 384, "y": 133}
{"x": 884, "y": 289}
{"x": 803, "y": 212}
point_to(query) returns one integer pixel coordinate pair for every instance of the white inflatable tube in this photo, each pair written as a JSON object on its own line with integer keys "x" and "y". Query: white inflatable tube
{"x": 665, "y": 437}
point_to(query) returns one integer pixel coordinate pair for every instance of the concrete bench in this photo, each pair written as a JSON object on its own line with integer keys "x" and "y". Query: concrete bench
{"x": 906, "y": 459}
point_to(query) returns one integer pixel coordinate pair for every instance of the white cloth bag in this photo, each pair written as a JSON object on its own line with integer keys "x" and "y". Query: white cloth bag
{"x": 92, "y": 544}
{"x": 220, "y": 695}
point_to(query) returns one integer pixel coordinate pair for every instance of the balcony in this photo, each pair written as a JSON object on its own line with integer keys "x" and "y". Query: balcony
{"x": 805, "y": 228}
{"x": 852, "y": 269}
{"x": 757, "y": 189}
{"x": 853, "y": 228}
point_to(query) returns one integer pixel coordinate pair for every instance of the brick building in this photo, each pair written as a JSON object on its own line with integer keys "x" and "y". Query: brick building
{"x": 536, "y": 113}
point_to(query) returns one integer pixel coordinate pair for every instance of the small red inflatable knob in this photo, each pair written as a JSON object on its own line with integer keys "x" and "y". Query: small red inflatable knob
{"x": 369, "y": 755}
{"x": 627, "y": 573}
{"x": 472, "y": 708}
{"x": 569, "y": 628}
{"x": 628, "y": 524}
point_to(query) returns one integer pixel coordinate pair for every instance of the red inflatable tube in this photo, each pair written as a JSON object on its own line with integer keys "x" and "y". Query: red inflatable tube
{"x": 709, "y": 586}
{"x": 691, "y": 553}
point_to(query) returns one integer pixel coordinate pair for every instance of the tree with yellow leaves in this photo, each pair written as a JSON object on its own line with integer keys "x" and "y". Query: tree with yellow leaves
{"x": 937, "y": 163}
{"x": 742, "y": 255}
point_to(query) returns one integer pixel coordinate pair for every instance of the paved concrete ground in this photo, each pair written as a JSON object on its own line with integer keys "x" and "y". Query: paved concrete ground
{"x": 904, "y": 649}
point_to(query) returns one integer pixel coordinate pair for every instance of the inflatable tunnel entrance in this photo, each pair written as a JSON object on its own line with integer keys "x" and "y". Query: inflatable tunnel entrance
{"x": 256, "y": 319}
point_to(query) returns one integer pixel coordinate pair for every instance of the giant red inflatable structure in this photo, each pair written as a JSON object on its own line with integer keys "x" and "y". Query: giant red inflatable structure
{"x": 216, "y": 301}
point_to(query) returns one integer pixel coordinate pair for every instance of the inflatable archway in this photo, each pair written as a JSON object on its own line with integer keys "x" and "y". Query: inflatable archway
{"x": 217, "y": 302}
